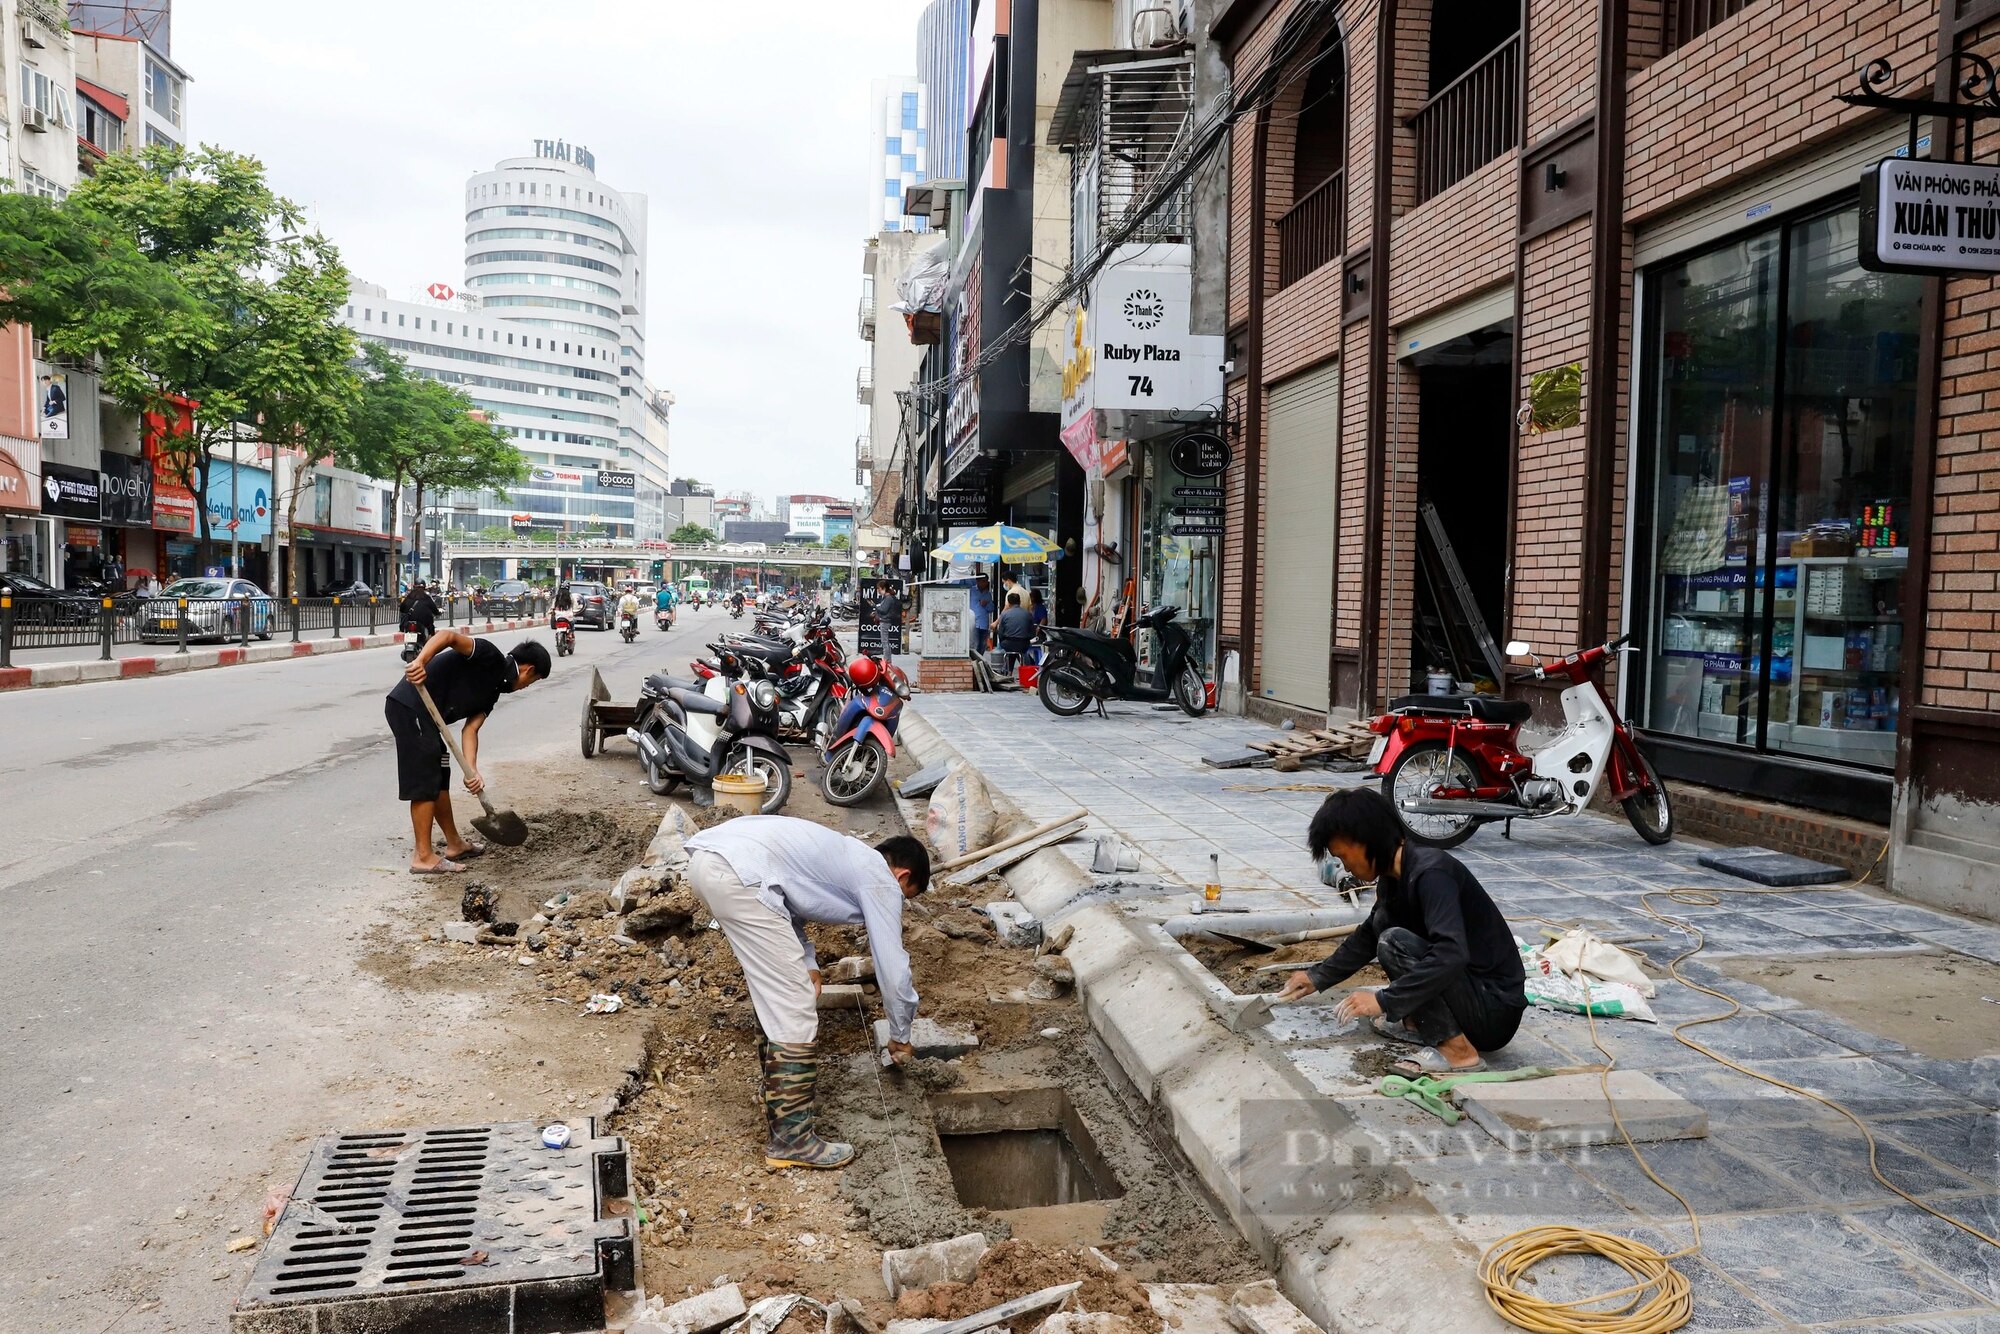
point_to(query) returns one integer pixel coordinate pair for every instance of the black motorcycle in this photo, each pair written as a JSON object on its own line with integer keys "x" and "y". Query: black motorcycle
{"x": 663, "y": 618}
{"x": 565, "y": 627}
{"x": 1085, "y": 667}
{"x": 689, "y": 732}
{"x": 417, "y": 632}
{"x": 628, "y": 626}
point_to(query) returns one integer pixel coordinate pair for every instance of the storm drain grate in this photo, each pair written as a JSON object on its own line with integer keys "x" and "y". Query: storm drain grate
{"x": 457, "y": 1230}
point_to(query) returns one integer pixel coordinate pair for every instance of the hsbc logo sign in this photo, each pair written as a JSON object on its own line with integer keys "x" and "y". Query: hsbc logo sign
{"x": 440, "y": 292}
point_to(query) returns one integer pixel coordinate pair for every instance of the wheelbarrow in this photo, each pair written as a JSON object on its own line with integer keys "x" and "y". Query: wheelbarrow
{"x": 603, "y": 720}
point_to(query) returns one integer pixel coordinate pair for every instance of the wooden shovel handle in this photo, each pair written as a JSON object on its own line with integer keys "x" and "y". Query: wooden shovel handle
{"x": 449, "y": 740}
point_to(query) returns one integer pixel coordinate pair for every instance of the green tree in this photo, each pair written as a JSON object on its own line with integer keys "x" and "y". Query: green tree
{"x": 840, "y": 542}
{"x": 256, "y": 342}
{"x": 691, "y": 534}
{"x": 496, "y": 532}
{"x": 85, "y": 286}
{"x": 545, "y": 536}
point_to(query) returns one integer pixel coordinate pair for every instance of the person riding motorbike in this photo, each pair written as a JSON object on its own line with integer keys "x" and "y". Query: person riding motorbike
{"x": 628, "y": 605}
{"x": 736, "y": 601}
{"x": 418, "y": 611}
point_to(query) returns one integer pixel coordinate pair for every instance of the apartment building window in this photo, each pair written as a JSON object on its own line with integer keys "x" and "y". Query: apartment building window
{"x": 43, "y": 94}
{"x": 163, "y": 92}
{"x": 1781, "y": 404}
{"x": 1472, "y": 116}
{"x": 100, "y": 128}
{"x": 1312, "y": 233}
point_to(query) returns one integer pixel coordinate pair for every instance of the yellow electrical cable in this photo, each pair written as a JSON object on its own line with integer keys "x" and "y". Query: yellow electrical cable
{"x": 1658, "y": 1300}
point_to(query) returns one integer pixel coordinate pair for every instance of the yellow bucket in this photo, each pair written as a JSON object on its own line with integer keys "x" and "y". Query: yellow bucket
{"x": 745, "y": 792}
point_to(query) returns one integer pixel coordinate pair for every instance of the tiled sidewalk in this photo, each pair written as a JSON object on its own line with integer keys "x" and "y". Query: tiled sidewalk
{"x": 1796, "y": 1233}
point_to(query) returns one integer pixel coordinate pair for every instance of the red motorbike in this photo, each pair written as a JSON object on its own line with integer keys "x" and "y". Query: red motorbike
{"x": 1450, "y": 763}
{"x": 857, "y": 759}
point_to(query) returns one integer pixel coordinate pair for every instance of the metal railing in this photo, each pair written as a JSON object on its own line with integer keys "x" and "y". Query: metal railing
{"x": 1687, "y": 20}
{"x": 1472, "y": 120}
{"x": 1313, "y": 231}
{"x": 177, "y": 622}
{"x": 864, "y": 385}
{"x": 865, "y": 317}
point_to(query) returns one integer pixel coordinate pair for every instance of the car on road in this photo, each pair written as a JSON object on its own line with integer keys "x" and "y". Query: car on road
{"x": 216, "y": 609}
{"x": 39, "y": 603}
{"x": 596, "y": 605}
{"x": 509, "y": 597}
{"x": 350, "y": 591}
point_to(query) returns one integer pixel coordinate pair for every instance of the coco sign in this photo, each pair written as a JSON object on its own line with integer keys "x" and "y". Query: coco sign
{"x": 1200, "y": 454}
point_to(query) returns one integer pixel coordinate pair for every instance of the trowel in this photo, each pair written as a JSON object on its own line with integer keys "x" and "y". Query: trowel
{"x": 502, "y": 825}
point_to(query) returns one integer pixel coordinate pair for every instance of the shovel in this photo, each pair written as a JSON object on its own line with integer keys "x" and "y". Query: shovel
{"x": 502, "y": 826}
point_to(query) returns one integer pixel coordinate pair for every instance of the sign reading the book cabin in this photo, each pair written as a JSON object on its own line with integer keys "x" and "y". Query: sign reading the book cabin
{"x": 1930, "y": 217}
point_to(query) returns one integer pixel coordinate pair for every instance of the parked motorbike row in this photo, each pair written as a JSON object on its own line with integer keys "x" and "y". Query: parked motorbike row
{"x": 753, "y": 694}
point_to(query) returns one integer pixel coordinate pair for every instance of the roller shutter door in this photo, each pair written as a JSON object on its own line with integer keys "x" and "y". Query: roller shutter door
{"x": 1302, "y": 465}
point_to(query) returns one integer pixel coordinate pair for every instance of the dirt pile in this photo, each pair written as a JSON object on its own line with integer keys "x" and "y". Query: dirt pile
{"x": 1015, "y": 1269}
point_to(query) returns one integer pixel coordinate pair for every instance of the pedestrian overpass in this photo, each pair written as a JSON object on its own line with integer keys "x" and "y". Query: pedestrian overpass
{"x": 612, "y": 560}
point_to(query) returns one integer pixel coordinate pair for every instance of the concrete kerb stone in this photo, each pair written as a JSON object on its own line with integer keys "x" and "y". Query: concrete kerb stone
{"x": 1158, "y": 1026}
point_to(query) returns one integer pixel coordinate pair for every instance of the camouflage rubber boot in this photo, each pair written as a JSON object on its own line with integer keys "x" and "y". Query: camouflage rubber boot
{"x": 788, "y": 1103}
{"x": 765, "y": 1060}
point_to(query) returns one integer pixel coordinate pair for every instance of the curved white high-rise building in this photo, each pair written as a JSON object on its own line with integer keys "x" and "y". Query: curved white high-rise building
{"x": 547, "y": 334}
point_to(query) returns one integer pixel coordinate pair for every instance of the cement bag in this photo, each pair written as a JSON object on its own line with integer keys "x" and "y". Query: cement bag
{"x": 960, "y": 818}
{"x": 1579, "y": 993}
{"x": 1581, "y": 952}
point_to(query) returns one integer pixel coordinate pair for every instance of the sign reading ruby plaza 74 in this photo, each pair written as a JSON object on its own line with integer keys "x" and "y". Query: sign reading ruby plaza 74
{"x": 1930, "y": 217}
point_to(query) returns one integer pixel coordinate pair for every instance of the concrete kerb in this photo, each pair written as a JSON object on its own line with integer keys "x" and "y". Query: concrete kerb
{"x": 1146, "y": 1001}
{"x": 276, "y": 650}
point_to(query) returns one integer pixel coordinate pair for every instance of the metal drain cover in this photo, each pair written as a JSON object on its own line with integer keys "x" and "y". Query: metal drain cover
{"x": 462, "y": 1230}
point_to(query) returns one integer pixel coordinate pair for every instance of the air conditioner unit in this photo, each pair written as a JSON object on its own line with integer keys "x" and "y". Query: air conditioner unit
{"x": 30, "y": 35}
{"x": 35, "y": 120}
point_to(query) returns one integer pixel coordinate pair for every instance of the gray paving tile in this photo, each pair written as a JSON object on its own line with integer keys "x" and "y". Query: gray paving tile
{"x": 1712, "y": 1179}
{"x": 1977, "y": 1081}
{"x": 1963, "y": 1257}
{"x": 1752, "y": 1036}
{"x": 1815, "y": 1267}
{"x": 1730, "y": 1099}
{"x": 1831, "y": 1164}
{"x": 1969, "y": 1141}
{"x": 1867, "y": 1085}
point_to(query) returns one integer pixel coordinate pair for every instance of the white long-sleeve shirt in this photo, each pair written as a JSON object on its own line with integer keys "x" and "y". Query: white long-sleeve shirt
{"x": 811, "y": 874}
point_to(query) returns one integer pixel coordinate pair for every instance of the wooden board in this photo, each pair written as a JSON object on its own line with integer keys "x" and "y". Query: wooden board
{"x": 1006, "y": 857}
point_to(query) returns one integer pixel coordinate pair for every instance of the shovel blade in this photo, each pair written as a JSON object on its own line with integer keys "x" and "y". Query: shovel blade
{"x": 503, "y": 827}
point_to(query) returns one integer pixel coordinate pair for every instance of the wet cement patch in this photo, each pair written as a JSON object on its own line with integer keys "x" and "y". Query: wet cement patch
{"x": 1929, "y": 1002}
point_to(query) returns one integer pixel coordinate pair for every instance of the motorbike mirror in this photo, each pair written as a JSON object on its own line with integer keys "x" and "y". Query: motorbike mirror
{"x": 1518, "y": 648}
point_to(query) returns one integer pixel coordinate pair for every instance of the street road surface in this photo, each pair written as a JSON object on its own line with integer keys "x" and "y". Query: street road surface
{"x": 190, "y": 866}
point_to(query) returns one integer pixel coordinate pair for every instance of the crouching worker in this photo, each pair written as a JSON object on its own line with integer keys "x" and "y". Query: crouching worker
{"x": 763, "y": 877}
{"x": 1455, "y": 977}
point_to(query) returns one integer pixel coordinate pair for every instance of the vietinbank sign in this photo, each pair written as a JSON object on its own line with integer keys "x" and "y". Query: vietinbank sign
{"x": 250, "y": 505}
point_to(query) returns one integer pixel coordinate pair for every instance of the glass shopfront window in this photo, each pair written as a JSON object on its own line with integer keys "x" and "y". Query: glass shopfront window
{"x": 1176, "y": 569}
{"x": 1781, "y": 411}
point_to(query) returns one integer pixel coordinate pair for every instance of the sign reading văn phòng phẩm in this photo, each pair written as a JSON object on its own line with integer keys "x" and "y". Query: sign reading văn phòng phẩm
{"x": 1930, "y": 217}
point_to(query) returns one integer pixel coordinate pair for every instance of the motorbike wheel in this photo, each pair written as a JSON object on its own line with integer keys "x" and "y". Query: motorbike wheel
{"x": 660, "y": 779}
{"x": 1650, "y": 809}
{"x": 1418, "y": 771}
{"x": 1058, "y": 697}
{"x": 777, "y": 777}
{"x": 1190, "y": 691}
{"x": 853, "y": 772}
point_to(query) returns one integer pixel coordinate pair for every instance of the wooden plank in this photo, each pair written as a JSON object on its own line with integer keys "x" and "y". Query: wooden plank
{"x": 1006, "y": 857}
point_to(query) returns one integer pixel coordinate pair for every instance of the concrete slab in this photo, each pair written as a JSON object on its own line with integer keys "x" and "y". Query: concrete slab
{"x": 952, "y": 1261}
{"x": 1766, "y": 866}
{"x": 841, "y": 996}
{"x": 1014, "y": 925}
{"x": 1570, "y": 1110}
{"x": 932, "y": 1040}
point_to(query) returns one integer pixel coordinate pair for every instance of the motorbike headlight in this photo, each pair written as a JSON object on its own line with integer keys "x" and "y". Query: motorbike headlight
{"x": 902, "y": 686}
{"x": 763, "y": 694}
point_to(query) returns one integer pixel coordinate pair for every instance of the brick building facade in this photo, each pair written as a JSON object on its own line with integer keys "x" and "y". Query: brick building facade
{"x": 1559, "y": 308}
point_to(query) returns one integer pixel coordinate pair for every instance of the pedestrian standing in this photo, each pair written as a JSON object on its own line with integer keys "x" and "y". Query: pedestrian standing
{"x": 762, "y": 878}
{"x": 982, "y": 612}
{"x": 465, "y": 678}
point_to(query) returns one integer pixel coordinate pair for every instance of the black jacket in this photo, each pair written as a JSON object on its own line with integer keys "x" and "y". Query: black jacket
{"x": 1438, "y": 899}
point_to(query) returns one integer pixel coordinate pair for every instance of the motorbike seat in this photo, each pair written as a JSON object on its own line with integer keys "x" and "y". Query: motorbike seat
{"x": 660, "y": 683}
{"x": 1091, "y": 636}
{"x": 1485, "y": 708}
{"x": 693, "y": 701}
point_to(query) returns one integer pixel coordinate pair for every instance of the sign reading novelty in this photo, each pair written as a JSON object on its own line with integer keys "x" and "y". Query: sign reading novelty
{"x": 562, "y": 151}
{"x": 1930, "y": 217}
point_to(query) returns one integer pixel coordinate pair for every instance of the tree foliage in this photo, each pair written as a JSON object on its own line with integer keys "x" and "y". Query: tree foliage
{"x": 691, "y": 534}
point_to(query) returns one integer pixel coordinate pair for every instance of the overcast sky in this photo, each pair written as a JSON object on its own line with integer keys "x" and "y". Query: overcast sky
{"x": 746, "y": 122}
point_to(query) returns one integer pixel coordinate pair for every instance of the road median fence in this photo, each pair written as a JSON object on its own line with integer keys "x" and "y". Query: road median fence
{"x": 241, "y": 629}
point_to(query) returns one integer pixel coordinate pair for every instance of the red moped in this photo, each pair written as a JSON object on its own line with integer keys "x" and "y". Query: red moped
{"x": 1451, "y": 763}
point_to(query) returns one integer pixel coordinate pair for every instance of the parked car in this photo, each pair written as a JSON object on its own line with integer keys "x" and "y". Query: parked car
{"x": 350, "y": 590}
{"x": 595, "y": 605}
{"x": 39, "y": 603}
{"x": 216, "y": 608}
{"x": 509, "y": 597}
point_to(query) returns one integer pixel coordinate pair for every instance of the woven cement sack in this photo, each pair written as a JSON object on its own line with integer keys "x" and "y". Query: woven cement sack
{"x": 960, "y": 818}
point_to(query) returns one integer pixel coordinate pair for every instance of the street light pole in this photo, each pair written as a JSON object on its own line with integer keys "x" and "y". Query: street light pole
{"x": 235, "y": 521}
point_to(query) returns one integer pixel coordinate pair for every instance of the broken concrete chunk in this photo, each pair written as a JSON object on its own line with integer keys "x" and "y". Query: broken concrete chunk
{"x": 1058, "y": 939}
{"x": 1259, "y": 1308}
{"x": 465, "y": 933}
{"x": 840, "y": 996}
{"x": 1086, "y": 1322}
{"x": 664, "y": 914}
{"x": 953, "y": 1261}
{"x": 635, "y": 885}
{"x": 932, "y": 1040}
{"x": 709, "y": 1310}
{"x": 854, "y": 968}
{"x": 1014, "y": 925}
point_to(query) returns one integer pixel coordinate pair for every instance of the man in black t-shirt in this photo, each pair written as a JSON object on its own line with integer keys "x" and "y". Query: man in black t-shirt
{"x": 465, "y": 678}
{"x": 1455, "y": 976}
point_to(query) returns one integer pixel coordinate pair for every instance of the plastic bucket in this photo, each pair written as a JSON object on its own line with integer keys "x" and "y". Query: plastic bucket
{"x": 745, "y": 792}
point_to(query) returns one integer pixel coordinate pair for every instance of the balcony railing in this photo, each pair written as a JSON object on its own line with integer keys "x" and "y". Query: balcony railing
{"x": 1689, "y": 19}
{"x": 864, "y": 385}
{"x": 1473, "y": 120}
{"x": 865, "y": 317}
{"x": 1314, "y": 231}
{"x": 864, "y": 451}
